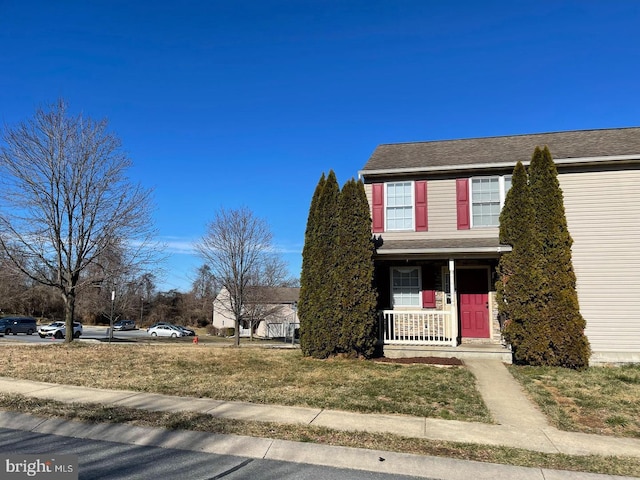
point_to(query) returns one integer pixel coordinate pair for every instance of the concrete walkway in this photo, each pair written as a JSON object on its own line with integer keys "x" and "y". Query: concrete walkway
{"x": 519, "y": 425}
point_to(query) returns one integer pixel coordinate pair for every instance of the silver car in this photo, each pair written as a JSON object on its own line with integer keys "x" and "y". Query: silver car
{"x": 165, "y": 331}
{"x": 124, "y": 325}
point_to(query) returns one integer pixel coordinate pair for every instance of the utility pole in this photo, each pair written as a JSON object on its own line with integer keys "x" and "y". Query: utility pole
{"x": 113, "y": 298}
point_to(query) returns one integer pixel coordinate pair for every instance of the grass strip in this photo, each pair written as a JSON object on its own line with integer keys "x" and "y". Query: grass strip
{"x": 95, "y": 413}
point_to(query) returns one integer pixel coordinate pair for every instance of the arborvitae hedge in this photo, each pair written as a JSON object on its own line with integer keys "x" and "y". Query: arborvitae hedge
{"x": 568, "y": 343}
{"x": 310, "y": 275}
{"x": 520, "y": 292}
{"x": 337, "y": 299}
{"x": 319, "y": 338}
{"x": 356, "y": 295}
{"x": 537, "y": 289}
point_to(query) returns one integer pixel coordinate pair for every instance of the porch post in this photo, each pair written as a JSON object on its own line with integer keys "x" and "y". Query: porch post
{"x": 454, "y": 302}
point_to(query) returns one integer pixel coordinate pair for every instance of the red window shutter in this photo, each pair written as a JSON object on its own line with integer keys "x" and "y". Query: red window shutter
{"x": 378, "y": 207}
{"x": 428, "y": 299}
{"x": 422, "y": 223}
{"x": 462, "y": 201}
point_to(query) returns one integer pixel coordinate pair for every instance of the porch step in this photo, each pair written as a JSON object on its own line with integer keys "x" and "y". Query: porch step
{"x": 494, "y": 352}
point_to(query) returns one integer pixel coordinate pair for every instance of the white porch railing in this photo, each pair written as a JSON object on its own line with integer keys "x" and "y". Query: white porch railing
{"x": 417, "y": 327}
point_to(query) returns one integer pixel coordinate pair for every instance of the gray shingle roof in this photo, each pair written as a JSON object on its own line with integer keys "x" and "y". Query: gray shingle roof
{"x": 273, "y": 295}
{"x": 501, "y": 150}
{"x": 440, "y": 246}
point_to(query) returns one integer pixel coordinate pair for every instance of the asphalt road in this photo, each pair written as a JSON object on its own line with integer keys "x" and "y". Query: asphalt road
{"x": 88, "y": 332}
{"x": 108, "y": 460}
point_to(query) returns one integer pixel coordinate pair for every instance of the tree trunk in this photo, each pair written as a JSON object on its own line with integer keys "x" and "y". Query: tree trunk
{"x": 69, "y": 307}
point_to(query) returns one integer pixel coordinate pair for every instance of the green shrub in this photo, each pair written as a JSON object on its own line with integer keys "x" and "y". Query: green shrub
{"x": 355, "y": 294}
{"x": 568, "y": 344}
{"x": 536, "y": 291}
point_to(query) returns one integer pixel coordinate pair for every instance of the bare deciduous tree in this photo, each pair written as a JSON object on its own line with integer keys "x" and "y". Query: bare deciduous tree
{"x": 236, "y": 245}
{"x": 265, "y": 280}
{"x": 66, "y": 202}
{"x": 204, "y": 287}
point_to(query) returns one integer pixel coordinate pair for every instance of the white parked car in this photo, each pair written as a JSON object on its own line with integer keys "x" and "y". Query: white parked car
{"x": 58, "y": 330}
{"x": 165, "y": 331}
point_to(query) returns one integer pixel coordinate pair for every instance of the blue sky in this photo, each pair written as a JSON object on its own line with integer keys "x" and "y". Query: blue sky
{"x": 246, "y": 103}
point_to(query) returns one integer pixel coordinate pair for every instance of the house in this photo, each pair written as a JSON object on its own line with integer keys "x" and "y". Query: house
{"x": 270, "y": 311}
{"x": 435, "y": 211}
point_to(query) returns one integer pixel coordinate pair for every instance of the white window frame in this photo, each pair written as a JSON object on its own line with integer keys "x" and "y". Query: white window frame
{"x": 446, "y": 284}
{"x": 412, "y": 188}
{"x": 418, "y": 300}
{"x": 501, "y": 191}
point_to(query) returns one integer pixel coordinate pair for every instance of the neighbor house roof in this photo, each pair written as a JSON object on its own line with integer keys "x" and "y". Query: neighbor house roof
{"x": 273, "y": 295}
{"x": 578, "y": 146}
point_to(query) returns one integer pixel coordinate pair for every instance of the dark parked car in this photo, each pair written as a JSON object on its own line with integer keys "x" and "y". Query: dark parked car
{"x": 15, "y": 325}
{"x": 187, "y": 331}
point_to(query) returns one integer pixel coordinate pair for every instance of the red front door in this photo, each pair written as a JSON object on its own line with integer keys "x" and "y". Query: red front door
{"x": 473, "y": 289}
{"x": 474, "y": 315}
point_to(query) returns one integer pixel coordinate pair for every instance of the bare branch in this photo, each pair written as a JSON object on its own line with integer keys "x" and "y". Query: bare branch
{"x": 236, "y": 246}
{"x": 65, "y": 200}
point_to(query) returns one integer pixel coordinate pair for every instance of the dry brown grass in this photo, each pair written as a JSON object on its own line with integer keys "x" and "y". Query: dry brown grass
{"x": 304, "y": 433}
{"x": 285, "y": 377}
{"x": 600, "y": 400}
{"x": 268, "y": 376}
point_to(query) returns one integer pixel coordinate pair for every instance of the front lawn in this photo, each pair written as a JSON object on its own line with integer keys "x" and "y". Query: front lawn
{"x": 601, "y": 400}
{"x": 258, "y": 375}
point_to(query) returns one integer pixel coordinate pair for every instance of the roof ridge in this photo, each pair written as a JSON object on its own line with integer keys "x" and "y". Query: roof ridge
{"x": 517, "y": 135}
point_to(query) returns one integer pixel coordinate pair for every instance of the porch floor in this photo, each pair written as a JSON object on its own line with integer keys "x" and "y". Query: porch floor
{"x": 462, "y": 351}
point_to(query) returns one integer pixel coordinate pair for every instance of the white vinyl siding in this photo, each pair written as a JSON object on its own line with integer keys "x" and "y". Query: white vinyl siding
{"x": 603, "y": 216}
{"x": 405, "y": 287}
{"x": 399, "y": 206}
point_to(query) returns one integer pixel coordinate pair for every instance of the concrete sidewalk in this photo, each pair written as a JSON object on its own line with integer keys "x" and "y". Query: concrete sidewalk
{"x": 519, "y": 425}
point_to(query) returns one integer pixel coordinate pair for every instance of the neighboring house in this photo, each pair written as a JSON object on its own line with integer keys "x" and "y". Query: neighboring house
{"x": 272, "y": 311}
{"x": 435, "y": 208}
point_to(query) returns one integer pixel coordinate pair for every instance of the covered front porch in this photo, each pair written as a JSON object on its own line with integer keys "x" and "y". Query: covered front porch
{"x": 406, "y": 334}
{"x": 441, "y": 307}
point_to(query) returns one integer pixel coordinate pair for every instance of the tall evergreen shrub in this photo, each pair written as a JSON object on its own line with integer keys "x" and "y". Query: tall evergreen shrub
{"x": 520, "y": 294}
{"x": 320, "y": 338}
{"x": 568, "y": 344}
{"x": 310, "y": 276}
{"x": 355, "y": 294}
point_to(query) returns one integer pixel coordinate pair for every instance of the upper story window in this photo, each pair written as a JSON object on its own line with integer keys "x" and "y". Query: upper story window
{"x": 487, "y": 199}
{"x": 399, "y": 207}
